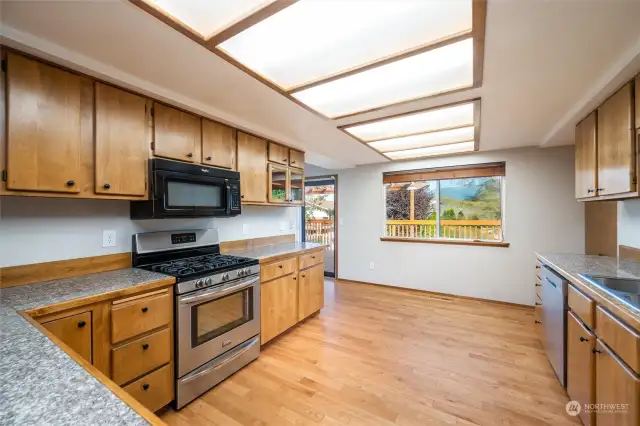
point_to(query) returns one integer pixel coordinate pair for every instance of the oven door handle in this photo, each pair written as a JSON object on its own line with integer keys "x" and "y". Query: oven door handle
{"x": 232, "y": 354}
{"x": 217, "y": 293}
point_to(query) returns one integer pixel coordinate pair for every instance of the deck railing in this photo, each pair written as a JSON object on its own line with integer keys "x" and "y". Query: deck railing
{"x": 320, "y": 231}
{"x": 465, "y": 229}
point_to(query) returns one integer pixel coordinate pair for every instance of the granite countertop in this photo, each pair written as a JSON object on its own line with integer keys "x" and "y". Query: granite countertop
{"x": 266, "y": 253}
{"x": 571, "y": 265}
{"x": 39, "y": 382}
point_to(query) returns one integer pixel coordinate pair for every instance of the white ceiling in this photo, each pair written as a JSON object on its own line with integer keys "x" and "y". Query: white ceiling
{"x": 546, "y": 64}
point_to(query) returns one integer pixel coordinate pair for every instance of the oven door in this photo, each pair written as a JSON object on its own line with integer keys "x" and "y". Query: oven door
{"x": 215, "y": 320}
{"x": 186, "y": 195}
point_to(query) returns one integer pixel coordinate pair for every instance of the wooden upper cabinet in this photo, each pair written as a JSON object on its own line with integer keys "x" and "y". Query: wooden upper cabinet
{"x": 580, "y": 365}
{"x": 122, "y": 142}
{"x": 43, "y": 127}
{"x": 176, "y": 134}
{"x": 278, "y": 153}
{"x": 218, "y": 145}
{"x": 616, "y": 384}
{"x": 252, "y": 165}
{"x": 585, "y": 157}
{"x": 616, "y": 144}
{"x": 75, "y": 331}
{"x": 296, "y": 158}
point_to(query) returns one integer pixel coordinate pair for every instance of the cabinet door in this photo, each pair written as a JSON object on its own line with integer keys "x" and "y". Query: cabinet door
{"x": 218, "y": 145}
{"x": 580, "y": 365}
{"x": 296, "y": 186}
{"x": 585, "y": 154}
{"x": 616, "y": 144}
{"x": 278, "y": 306}
{"x": 278, "y": 154}
{"x": 296, "y": 158}
{"x": 278, "y": 184}
{"x": 637, "y": 96}
{"x": 311, "y": 291}
{"x": 122, "y": 139}
{"x": 75, "y": 331}
{"x": 616, "y": 384}
{"x": 43, "y": 127}
{"x": 252, "y": 165}
{"x": 176, "y": 134}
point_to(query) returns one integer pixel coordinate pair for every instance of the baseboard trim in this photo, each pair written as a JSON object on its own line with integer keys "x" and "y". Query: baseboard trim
{"x": 435, "y": 293}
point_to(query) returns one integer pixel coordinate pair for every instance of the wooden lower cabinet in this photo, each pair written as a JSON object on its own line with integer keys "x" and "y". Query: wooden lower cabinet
{"x": 75, "y": 331}
{"x": 616, "y": 384}
{"x": 140, "y": 356}
{"x": 278, "y": 306}
{"x": 155, "y": 390}
{"x": 580, "y": 366}
{"x": 310, "y": 291}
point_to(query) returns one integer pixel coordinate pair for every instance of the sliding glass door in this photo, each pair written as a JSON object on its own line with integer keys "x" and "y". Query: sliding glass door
{"x": 319, "y": 217}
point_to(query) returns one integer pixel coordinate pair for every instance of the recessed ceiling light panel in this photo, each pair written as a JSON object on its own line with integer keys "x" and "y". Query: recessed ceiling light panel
{"x": 432, "y": 150}
{"x": 424, "y": 140}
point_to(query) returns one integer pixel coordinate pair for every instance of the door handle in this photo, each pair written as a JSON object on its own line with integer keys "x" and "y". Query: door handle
{"x": 217, "y": 293}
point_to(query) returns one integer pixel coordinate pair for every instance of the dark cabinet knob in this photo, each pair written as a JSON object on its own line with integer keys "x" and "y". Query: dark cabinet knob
{"x": 145, "y": 309}
{"x": 81, "y": 324}
{"x": 304, "y": 276}
{"x": 538, "y": 285}
{"x": 145, "y": 386}
{"x": 599, "y": 189}
{"x": 293, "y": 161}
{"x": 313, "y": 257}
{"x": 589, "y": 191}
{"x": 538, "y": 322}
{"x": 284, "y": 159}
{"x": 280, "y": 266}
{"x": 190, "y": 155}
{"x": 107, "y": 186}
{"x": 295, "y": 278}
{"x": 242, "y": 196}
{"x": 538, "y": 304}
{"x": 596, "y": 351}
{"x": 209, "y": 158}
{"x": 145, "y": 346}
{"x": 582, "y": 339}
{"x": 71, "y": 182}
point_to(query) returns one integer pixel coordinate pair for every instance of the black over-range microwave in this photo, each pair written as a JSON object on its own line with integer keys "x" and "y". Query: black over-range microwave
{"x": 188, "y": 190}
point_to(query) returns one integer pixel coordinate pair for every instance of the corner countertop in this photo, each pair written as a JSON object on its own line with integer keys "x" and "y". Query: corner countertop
{"x": 39, "y": 382}
{"x": 276, "y": 251}
{"x": 571, "y": 265}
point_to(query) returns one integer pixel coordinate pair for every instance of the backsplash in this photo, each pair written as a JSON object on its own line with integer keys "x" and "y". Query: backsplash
{"x": 629, "y": 223}
{"x": 36, "y": 230}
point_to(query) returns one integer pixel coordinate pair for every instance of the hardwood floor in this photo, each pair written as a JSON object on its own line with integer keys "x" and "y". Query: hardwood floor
{"x": 380, "y": 356}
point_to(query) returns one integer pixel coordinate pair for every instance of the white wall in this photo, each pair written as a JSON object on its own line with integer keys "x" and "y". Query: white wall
{"x": 629, "y": 223}
{"x": 541, "y": 216}
{"x": 34, "y": 230}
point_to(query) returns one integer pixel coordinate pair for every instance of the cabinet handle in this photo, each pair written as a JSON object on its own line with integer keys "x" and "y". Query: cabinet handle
{"x": 81, "y": 324}
{"x": 582, "y": 339}
{"x": 304, "y": 276}
{"x": 599, "y": 189}
{"x": 284, "y": 159}
{"x": 209, "y": 158}
{"x": 242, "y": 196}
{"x": 71, "y": 182}
{"x": 190, "y": 155}
{"x": 537, "y": 266}
{"x": 293, "y": 162}
{"x": 538, "y": 304}
{"x": 313, "y": 257}
{"x": 145, "y": 346}
{"x": 590, "y": 191}
{"x": 538, "y": 285}
{"x": 280, "y": 266}
{"x": 145, "y": 386}
{"x": 145, "y": 309}
{"x": 295, "y": 278}
{"x": 107, "y": 186}
{"x": 596, "y": 351}
{"x": 538, "y": 322}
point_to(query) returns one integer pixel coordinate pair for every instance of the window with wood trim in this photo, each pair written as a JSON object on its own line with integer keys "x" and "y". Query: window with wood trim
{"x": 455, "y": 203}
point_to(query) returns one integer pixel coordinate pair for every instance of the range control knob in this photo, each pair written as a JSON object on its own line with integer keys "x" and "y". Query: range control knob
{"x": 207, "y": 281}
{"x": 247, "y": 271}
{"x": 225, "y": 277}
{"x": 199, "y": 284}
{"x": 241, "y": 272}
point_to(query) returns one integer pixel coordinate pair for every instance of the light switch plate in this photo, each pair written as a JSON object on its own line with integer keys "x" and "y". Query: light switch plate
{"x": 108, "y": 238}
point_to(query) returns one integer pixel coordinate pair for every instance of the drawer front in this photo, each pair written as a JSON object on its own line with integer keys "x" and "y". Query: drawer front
{"x": 538, "y": 288}
{"x": 582, "y": 306}
{"x": 619, "y": 337}
{"x": 140, "y": 356}
{"x": 311, "y": 259}
{"x": 275, "y": 270}
{"x": 154, "y": 390}
{"x": 138, "y": 316}
{"x": 75, "y": 331}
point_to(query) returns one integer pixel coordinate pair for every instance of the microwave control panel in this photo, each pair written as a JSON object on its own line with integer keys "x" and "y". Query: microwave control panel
{"x": 235, "y": 196}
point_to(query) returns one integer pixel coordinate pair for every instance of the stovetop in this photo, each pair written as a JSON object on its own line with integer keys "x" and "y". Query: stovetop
{"x": 199, "y": 266}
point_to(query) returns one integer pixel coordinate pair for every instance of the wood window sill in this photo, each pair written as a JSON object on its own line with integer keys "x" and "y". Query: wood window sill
{"x": 446, "y": 241}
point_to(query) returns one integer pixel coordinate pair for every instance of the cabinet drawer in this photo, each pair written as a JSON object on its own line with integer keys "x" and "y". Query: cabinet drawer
{"x": 308, "y": 260}
{"x": 141, "y": 356}
{"x": 75, "y": 331}
{"x": 538, "y": 288}
{"x": 134, "y": 316}
{"x": 620, "y": 338}
{"x": 154, "y": 390}
{"x": 581, "y": 305}
{"x": 277, "y": 269}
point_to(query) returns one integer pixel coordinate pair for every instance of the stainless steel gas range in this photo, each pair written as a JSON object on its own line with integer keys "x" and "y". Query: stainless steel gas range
{"x": 217, "y": 306}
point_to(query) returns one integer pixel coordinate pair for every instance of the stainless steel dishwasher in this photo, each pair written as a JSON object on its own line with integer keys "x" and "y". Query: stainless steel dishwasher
{"x": 554, "y": 321}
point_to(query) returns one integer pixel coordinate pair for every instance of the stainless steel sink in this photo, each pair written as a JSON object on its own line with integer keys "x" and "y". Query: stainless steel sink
{"x": 625, "y": 289}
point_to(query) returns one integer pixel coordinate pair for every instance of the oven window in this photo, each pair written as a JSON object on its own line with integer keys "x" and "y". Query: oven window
{"x": 181, "y": 194}
{"x": 219, "y": 316}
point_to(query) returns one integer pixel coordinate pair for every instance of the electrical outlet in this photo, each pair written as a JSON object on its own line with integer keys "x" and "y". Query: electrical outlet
{"x": 283, "y": 226}
{"x": 245, "y": 229}
{"x": 340, "y": 222}
{"x": 371, "y": 265}
{"x": 108, "y": 238}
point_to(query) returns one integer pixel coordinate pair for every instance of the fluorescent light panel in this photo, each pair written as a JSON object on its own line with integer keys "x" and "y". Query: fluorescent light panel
{"x": 313, "y": 39}
{"x": 424, "y": 140}
{"x": 207, "y": 17}
{"x": 429, "y": 73}
{"x": 432, "y": 150}
{"x": 443, "y": 118}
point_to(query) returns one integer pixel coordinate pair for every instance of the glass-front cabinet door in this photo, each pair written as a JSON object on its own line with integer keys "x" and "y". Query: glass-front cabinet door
{"x": 296, "y": 178}
{"x": 278, "y": 185}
